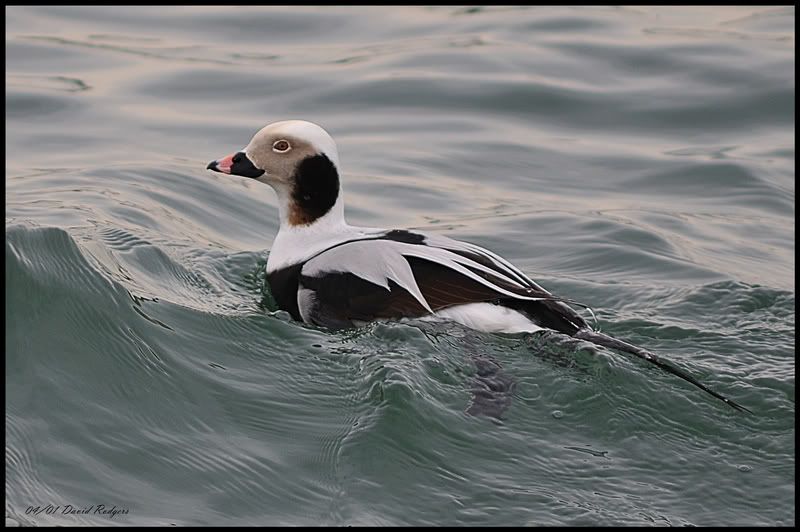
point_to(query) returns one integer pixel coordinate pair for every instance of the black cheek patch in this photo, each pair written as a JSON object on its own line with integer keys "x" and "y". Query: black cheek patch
{"x": 316, "y": 187}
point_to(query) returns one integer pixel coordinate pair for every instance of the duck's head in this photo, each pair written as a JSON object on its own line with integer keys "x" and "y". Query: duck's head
{"x": 298, "y": 159}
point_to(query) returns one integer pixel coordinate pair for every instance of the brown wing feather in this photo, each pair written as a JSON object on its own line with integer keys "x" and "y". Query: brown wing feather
{"x": 444, "y": 287}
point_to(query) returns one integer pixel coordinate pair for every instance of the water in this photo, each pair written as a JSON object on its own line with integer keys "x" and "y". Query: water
{"x": 640, "y": 160}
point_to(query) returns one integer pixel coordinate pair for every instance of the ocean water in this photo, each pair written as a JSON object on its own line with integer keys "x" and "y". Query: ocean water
{"x": 639, "y": 160}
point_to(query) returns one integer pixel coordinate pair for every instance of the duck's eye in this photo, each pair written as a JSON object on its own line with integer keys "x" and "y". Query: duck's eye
{"x": 281, "y": 146}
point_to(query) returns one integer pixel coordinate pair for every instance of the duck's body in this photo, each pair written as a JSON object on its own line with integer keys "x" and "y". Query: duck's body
{"x": 362, "y": 274}
{"x": 326, "y": 272}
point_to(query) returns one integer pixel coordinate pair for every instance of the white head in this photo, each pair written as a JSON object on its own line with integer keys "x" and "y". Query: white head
{"x": 299, "y": 161}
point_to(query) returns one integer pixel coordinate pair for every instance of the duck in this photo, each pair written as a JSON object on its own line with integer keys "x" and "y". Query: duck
{"x": 327, "y": 273}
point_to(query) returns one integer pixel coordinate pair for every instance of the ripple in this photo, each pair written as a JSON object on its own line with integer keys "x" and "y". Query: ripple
{"x": 36, "y": 106}
{"x": 172, "y": 54}
{"x": 55, "y": 83}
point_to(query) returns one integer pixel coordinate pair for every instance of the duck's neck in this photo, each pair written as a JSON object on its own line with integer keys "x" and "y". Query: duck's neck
{"x": 301, "y": 235}
{"x": 302, "y": 213}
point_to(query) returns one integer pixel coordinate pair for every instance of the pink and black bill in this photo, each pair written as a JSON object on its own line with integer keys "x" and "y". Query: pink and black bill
{"x": 236, "y": 164}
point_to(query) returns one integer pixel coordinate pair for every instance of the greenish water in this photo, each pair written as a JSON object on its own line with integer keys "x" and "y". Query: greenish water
{"x": 640, "y": 160}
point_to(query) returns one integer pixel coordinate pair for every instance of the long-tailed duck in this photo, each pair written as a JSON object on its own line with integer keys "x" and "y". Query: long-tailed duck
{"x": 328, "y": 273}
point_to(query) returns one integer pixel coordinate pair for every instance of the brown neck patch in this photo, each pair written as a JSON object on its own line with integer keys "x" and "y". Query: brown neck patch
{"x": 298, "y": 216}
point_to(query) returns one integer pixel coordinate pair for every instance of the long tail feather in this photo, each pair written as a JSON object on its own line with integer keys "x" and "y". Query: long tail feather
{"x": 607, "y": 341}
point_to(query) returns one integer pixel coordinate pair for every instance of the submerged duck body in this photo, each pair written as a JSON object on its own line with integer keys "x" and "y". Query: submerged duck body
{"x": 326, "y": 272}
